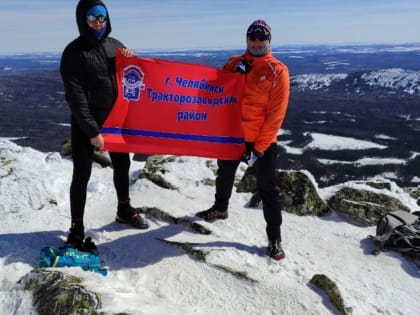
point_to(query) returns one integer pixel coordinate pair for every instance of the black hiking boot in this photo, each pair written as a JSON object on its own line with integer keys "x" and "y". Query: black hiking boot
{"x": 90, "y": 246}
{"x": 212, "y": 214}
{"x": 126, "y": 214}
{"x": 76, "y": 236}
{"x": 274, "y": 250}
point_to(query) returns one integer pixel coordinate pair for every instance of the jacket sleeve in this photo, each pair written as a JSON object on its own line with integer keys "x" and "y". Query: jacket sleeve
{"x": 231, "y": 63}
{"x": 75, "y": 89}
{"x": 276, "y": 110}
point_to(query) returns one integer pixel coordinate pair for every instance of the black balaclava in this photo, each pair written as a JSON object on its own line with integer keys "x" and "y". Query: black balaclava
{"x": 85, "y": 31}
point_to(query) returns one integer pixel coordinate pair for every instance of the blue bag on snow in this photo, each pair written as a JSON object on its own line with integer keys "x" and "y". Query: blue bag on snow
{"x": 70, "y": 257}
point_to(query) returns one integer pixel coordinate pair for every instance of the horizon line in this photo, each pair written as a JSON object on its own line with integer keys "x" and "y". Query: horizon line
{"x": 286, "y": 46}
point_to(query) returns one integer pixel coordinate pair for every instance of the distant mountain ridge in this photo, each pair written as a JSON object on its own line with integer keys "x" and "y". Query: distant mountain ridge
{"x": 396, "y": 80}
{"x": 300, "y": 59}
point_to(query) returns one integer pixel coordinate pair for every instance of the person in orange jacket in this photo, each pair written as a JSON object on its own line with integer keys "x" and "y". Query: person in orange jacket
{"x": 264, "y": 106}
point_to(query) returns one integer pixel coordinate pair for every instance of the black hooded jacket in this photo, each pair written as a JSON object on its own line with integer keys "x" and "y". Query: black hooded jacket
{"x": 88, "y": 72}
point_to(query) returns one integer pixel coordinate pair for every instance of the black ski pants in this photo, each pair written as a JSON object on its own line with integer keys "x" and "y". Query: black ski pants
{"x": 82, "y": 152}
{"x": 266, "y": 186}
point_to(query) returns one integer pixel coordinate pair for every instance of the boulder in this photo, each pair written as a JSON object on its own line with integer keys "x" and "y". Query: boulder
{"x": 329, "y": 287}
{"x": 363, "y": 207}
{"x": 296, "y": 190}
{"x": 99, "y": 157}
{"x": 154, "y": 170}
{"x": 55, "y": 292}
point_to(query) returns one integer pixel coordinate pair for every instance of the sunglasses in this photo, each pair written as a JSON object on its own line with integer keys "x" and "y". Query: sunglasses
{"x": 258, "y": 36}
{"x": 96, "y": 18}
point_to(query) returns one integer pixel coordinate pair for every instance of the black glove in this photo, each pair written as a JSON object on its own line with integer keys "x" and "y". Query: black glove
{"x": 242, "y": 66}
{"x": 249, "y": 146}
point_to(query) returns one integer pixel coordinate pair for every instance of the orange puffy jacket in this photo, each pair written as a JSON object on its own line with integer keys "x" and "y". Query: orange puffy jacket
{"x": 265, "y": 99}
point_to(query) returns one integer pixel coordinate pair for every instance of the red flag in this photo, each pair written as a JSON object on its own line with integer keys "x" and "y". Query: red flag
{"x": 168, "y": 107}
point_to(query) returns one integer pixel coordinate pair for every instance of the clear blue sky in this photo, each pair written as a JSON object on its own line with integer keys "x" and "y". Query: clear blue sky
{"x": 48, "y": 25}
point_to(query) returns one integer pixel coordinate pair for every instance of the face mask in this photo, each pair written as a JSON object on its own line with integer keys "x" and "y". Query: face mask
{"x": 99, "y": 34}
{"x": 258, "y": 52}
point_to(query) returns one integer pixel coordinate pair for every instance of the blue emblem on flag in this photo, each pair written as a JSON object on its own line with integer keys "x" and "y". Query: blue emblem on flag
{"x": 133, "y": 83}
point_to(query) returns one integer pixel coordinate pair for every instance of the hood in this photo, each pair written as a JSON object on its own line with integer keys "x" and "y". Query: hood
{"x": 82, "y": 7}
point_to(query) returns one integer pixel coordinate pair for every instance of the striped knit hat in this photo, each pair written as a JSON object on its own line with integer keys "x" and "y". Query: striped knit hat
{"x": 259, "y": 26}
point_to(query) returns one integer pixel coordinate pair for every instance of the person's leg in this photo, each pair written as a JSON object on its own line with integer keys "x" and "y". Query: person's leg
{"x": 224, "y": 185}
{"x": 125, "y": 212}
{"x": 224, "y": 182}
{"x": 266, "y": 186}
{"x": 121, "y": 166}
{"x": 82, "y": 167}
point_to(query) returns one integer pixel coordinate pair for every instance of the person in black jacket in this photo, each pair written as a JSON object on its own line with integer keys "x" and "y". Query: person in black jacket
{"x": 88, "y": 72}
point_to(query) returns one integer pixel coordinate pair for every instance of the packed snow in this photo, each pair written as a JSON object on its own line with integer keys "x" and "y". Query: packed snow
{"x": 148, "y": 276}
{"x": 322, "y": 141}
{"x": 364, "y": 161}
{"x": 331, "y": 142}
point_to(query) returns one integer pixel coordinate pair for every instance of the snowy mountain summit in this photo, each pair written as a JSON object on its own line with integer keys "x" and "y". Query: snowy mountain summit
{"x": 149, "y": 274}
{"x": 406, "y": 81}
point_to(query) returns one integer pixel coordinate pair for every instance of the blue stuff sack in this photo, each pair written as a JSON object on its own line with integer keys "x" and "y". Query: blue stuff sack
{"x": 70, "y": 257}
